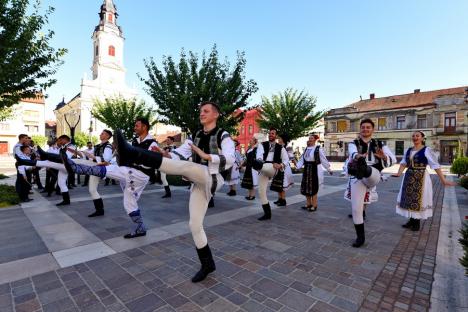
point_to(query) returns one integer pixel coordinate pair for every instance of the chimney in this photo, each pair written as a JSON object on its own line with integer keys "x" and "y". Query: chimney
{"x": 372, "y": 96}
{"x": 417, "y": 90}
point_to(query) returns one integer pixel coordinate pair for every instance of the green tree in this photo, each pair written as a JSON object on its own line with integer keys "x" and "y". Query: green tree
{"x": 81, "y": 138}
{"x": 39, "y": 140}
{"x": 6, "y": 113}
{"x": 291, "y": 112}
{"x": 178, "y": 88}
{"x": 119, "y": 113}
{"x": 27, "y": 61}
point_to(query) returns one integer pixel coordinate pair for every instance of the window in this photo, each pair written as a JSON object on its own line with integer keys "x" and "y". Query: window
{"x": 30, "y": 128}
{"x": 422, "y": 121}
{"x": 342, "y": 126}
{"x": 110, "y": 17}
{"x": 400, "y": 122}
{"x": 399, "y": 148}
{"x": 111, "y": 50}
{"x": 4, "y": 126}
{"x": 96, "y": 50}
{"x": 382, "y": 123}
{"x": 450, "y": 122}
{"x": 242, "y": 129}
{"x": 31, "y": 115}
{"x": 250, "y": 129}
{"x": 332, "y": 126}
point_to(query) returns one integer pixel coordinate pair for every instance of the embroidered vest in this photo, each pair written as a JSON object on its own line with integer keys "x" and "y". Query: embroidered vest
{"x": 276, "y": 153}
{"x": 362, "y": 148}
{"x": 211, "y": 144}
{"x": 145, "y": 145}
{"x": 99, "y": 149}
{"x": 419, "y": 160}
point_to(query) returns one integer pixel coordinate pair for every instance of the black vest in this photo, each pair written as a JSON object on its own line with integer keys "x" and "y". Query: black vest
{"x": 251, "y": 156}
{"x": 99, "y": 149}
{"x": 317, "y": 155}
{"x": 209, "y": 143}
{"x": 276, "y": 153}
{"x": 145, "y": 145}
{"x": 362, "y": 149}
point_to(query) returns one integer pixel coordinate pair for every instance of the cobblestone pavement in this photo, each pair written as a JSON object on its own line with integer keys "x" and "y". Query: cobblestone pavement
{"x": 298, "y": 261}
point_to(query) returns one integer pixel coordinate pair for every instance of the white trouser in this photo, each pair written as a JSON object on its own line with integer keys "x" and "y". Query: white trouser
{"x": 62, "y": 173}
{"x": 200, "y": 193}
{"x": 164, "y": 179}
{"x": 132, "y": 182}
{"x": 266, "y": 174}
{"x": 358, "y": 193}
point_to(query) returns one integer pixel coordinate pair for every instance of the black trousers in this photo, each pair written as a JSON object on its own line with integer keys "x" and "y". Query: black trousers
{"x": 22, "y": 187}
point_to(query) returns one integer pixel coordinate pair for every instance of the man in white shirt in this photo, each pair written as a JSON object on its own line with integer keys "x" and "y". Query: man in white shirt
{"x": 271, "y": 160}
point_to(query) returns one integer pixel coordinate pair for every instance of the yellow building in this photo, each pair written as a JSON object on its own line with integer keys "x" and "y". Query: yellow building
{"x": 440, "y": 114}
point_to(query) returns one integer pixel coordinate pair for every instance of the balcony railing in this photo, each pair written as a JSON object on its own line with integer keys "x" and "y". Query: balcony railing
{"x": 450, "y": 130}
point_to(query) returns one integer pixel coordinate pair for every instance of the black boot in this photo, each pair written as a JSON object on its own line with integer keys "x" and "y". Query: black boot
{"x": 25, "y": 162}
{"x": 66, "y": 199}
{"x": 232, "y": 193}
{"x": 266, "y": 211}
{"x": 416, "y": 225}
{"x": 99, "y": 206}
{"x": 363, "y": 170}
{"x": 281, "y": 202}
{"x": 207, "y": 264}
{"x": 211, "y": 203}
{"x": 127, "y": 154}
{"x": 168, "y": 192}
{"x": 360, "y": 235}
{"x": 49, "y": 156}
{"x": 408, "y": 224}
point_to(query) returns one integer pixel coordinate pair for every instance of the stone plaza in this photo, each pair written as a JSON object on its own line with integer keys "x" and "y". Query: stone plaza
{"x": 60, "y": 260}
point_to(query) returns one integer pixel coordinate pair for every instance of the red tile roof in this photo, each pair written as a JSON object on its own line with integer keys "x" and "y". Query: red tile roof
{"x": 38, "y": 99}
{"x": 415, "y": 99}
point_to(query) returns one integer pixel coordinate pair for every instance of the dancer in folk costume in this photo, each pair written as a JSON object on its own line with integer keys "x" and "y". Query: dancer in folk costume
{"x": 250, "y": 178}
{"x": 89, "y": 150}
{"x": 212, "y": 152}
{"x": 233, "y": 176}
{"x": 102, "y": 154}
{"x": 168, "y": 148}
{"x": 415, "y": 198}
{"x": 288, "y": 180}
{"x": 22, "y": 185}
{"x": 270, "y": 162}
{"x": 50, "y": 160}
{"x": 367, "y": 158}
{"x": 313, "y": 160}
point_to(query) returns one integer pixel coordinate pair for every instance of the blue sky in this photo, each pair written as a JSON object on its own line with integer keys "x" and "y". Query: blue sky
{"x": 335, "y": 50}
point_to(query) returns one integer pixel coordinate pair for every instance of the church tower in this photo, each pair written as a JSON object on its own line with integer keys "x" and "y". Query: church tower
{"x": 108, "y": 44}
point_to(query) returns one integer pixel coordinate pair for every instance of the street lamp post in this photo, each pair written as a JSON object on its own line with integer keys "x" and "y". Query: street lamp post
{"x": 72, "y": 118}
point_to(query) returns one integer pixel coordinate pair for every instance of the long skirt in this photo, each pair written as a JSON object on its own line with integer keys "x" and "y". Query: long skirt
{"x": 310, "y": 180}
{"x": 288, "y": 178}
{"x": 415, "y": 197}
{"x": 250, "y": 178}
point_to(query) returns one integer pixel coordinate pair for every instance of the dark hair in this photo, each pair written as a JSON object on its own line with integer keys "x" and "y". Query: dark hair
{"x": 22, "y": 136}
{"x": 144, "y": 121}
{"x": 89, "y": 143}
{"x": 171, "y": 138}
{"x": 273, "y": 128}
{"x": 367, "y": 120}
{"x": 64, "y": 136}
{"x": 24, "y": 147}
{"x": 110, "y": 132}
{"x": 215, "y": 105}
{"x": 423, "y": 136}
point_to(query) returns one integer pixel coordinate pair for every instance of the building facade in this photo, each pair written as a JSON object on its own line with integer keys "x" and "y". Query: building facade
{"x": 247, "y": 128}
{"x": 108, "y": 76}
{"x": 28, "y": 118}
{"x": 440, "y": 114}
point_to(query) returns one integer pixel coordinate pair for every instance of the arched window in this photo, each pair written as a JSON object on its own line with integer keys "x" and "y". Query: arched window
{"x": 110, "y": 17}
{"x": 111, "y": 50}
{"x": 97, "y": 50}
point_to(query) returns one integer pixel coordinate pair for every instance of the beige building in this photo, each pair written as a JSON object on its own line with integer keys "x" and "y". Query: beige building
{"x": 28, "y": 118}
{"x": 440, "y": 114}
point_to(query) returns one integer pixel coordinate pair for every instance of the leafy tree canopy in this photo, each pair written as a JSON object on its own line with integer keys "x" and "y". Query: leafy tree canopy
{"x": 291, "y": 112}
{"x": 27, "y": 61}
{"x": 120, "y": 113}
{"x": 178, "y": 88}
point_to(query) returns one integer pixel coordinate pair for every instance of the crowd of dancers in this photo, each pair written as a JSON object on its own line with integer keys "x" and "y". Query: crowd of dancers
{"x": 211, "y": 158}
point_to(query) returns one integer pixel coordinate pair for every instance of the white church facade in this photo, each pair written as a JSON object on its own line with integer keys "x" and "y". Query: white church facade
{"x": 108, "y": 77}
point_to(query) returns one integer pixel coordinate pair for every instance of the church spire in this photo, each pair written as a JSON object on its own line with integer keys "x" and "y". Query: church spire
{"x": 108, "y": 16}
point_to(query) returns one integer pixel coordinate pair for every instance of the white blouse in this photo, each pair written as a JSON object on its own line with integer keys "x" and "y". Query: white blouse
{"x": 309, "y": 155}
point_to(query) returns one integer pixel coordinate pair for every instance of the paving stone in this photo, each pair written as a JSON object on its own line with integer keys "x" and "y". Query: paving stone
{"x": 65, "y": 304}
{"x": 22, "y": 290}
{"x": 146, "y": 303}
{"x": 204, "y": 297}
{"x": 252, "y": 306}
{"x": 237, "y": 298}
{"x": 321, "y": 294}
{"x": 296, "y": 300}
{"x": 344, "y": 304}
{"x": 221, "y": 305}
{"x": 221, "y": 289}
{"x": 269, "y": 288}
{"x": 131, "y": 291}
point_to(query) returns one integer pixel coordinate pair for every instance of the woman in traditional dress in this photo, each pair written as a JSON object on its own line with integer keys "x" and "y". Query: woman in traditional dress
{"x": 415, "y": 197}
{"x": 288, "y": 179}
{"x": 313, "y": 160}
{"x": 250, "y": 178}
